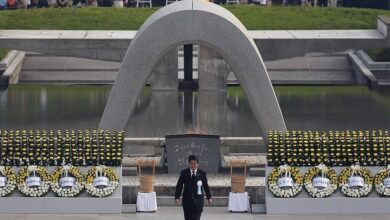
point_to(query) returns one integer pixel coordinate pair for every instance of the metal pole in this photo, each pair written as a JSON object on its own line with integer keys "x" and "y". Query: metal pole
{"x": 188, "y": 82}
{"x": 188, "y": 62}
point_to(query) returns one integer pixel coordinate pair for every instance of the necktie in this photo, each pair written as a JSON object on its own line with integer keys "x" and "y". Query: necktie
{"x": 193, "y": 175}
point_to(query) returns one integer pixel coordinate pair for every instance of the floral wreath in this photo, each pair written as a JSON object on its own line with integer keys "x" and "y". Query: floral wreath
{"x": 10, "y": 181}
{"x": 355, "y": 171}
{"x": 379, "y": 181}
{"x": 67, "y": 181}
{"x": 329, "y": 187}
{"x": 96, "y": 176}
{"x": 35, "y": 188}
{"x": 281, "y": 172}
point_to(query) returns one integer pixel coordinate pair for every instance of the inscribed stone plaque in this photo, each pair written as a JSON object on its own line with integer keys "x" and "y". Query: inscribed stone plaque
{"x": 206, "y": 147}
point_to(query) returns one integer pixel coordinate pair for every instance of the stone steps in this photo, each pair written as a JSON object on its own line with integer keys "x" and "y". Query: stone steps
{"x": 13, "y": 66}
{"x": 132, "y": 171}
{"x": 254, "y": 160}
{"x": 384, "y": 83}
{"x": 177, "y": 210}
{"x": 382, "y": 75}
{"x": 68, "y": 76}
{"x": 220, "y": 195}
{"x": 301, "y": 70}
{"x": 219, "y": 187}
{"x": 218, "y": 201}
{"x": 219, "y": 191}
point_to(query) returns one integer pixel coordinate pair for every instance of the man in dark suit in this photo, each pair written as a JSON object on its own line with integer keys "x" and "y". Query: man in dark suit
{"x": 193, "y": 199}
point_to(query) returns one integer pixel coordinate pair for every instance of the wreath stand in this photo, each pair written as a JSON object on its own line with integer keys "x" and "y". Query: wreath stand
{"x": 239, "y": 200}
{"x": 337, "y": 203}
{"x": 16, "y": 203}
{"x": 146, "y": 197}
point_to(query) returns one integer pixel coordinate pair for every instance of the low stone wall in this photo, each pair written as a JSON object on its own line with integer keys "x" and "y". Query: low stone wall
{"x": 12, "y": 64}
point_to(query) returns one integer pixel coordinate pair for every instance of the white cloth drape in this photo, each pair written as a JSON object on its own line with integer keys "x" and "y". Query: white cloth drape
{"x": 239, "y": 202}
{"x": 146, "y": 202}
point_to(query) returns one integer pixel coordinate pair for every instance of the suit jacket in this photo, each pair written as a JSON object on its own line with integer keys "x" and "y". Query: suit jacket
{"x": 191, "y": 188}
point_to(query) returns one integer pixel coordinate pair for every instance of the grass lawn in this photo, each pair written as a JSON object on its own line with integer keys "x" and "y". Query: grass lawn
{"x": 379, "y": 55}
{"x": 252, "y": 16}
{"x": 3, "y": 53}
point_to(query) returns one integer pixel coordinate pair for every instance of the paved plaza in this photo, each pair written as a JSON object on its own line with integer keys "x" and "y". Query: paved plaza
{"x": 191, "y": 53}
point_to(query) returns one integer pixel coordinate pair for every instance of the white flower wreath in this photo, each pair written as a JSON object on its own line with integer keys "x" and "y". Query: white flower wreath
{"x": 326, "y": 178}
{"x": 382, "y": 182}
{"x": 101, "y": 181}
{"x": 362, "y": 175}
{"x": 67, "y": 181}
{"x": 41, "y": 183}
{"x": 8, "y": 181}
{"x": 288, "y": 175}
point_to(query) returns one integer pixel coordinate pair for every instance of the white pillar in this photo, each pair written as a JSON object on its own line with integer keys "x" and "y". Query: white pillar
{"x": 212, "y": 69}
{"x": 165, "y": 73}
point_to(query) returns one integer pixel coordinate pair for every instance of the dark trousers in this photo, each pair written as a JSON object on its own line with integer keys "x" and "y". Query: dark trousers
{"x": 191, "y": 212}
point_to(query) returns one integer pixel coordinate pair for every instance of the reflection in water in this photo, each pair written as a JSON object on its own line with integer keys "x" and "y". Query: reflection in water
{"x": 334, "y": 108}
{"x": 52, "y": 107}
{"x": 227, "y": 114}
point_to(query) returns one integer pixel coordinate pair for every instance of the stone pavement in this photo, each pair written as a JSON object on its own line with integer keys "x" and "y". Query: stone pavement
{"x": 112, "y": 44}
{"x": 175, "y": 213}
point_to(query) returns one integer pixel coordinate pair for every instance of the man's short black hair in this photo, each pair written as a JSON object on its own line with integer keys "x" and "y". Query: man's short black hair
{"x": 193, "y": 157}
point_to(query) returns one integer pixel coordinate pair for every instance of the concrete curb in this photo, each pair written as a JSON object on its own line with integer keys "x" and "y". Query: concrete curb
{"x": 381, "y": 70}
{"x": 370, "y": 63}
{"x": 363, "y": 74}
{"x": 12, "y": 72}
{"x": 8, "y": 59}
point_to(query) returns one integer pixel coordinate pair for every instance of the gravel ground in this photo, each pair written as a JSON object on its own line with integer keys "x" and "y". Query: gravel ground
{"x": 251, "y": 160}
{"x": 132, "y": 161}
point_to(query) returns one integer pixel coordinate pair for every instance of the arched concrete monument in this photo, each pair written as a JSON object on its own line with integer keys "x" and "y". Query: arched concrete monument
{"x": 193, "y": 22}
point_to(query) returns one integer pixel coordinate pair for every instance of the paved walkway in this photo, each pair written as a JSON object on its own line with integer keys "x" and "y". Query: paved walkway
{"x": 129, "y": 35}
{"x": 112, "y": 45}
{"x": 175, "y": 213}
